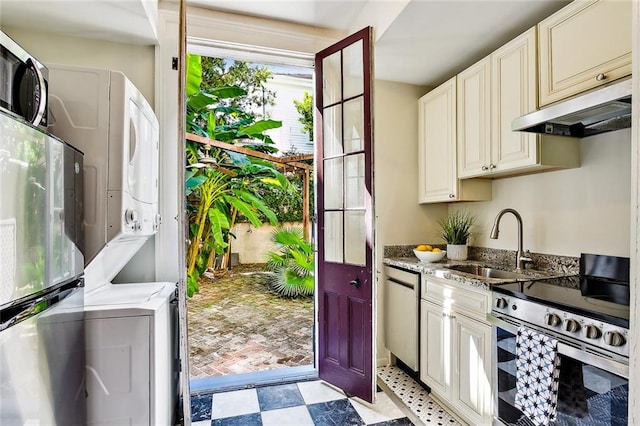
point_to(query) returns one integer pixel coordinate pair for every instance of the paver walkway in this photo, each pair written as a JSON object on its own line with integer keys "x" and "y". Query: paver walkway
{"x": 236, "y": 325}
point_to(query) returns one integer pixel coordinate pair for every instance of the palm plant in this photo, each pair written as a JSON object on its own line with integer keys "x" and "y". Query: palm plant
{"x": 292, "y": 262}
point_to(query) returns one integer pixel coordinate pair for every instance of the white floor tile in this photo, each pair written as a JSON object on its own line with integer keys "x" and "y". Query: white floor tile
{"x": 236, "y": 403}
{"x": 415, "y": 397}
{"x": 318, "y": 391}
{"x": 292, "y": 416}
{"x": 383, "y": 410}
{"x": 201, "y": 423}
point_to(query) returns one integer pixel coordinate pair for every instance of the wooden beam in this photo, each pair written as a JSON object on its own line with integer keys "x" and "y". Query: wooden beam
{"x": 297, "y": 158}
{"x": 249, "y": 152}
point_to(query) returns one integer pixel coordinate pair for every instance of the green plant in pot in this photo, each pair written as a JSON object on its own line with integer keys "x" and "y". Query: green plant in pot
{"x": 456, "y": 229}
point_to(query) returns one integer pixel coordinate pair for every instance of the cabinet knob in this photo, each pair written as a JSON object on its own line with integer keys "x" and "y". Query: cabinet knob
{"x": 452, "y": 196}
{"x": 485, "y": 168}
{"x": 492, "y": 166}
{"x": 601, "y": 77}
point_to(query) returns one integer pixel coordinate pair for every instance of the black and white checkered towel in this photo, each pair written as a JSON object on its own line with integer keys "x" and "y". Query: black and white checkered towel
{"x": 538, "y": 370}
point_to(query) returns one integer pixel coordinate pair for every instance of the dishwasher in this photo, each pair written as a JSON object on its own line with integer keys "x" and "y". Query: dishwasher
{"x": 401, "y": 313}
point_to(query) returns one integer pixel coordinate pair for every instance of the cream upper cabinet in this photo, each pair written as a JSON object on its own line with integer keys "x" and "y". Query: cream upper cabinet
{"x": 582, "y": 46}
{"x": 513, "y": 94}
{"x": 437, "y": 144}
{"x": 496, "y": 90}
{"x": 474, "y": 125}
{"x": 437, "y": 168}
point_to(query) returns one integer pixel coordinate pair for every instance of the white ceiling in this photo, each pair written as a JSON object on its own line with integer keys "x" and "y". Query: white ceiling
{"x": 418, "y": 41}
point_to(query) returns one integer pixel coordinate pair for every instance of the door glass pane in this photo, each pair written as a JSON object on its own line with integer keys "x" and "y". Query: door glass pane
{"x": 333, "y": 236}
{"x": 353, "y": 70}
{"x": 354, "y": 125}
{"x": 331, "y": 79}
{"x": 332, "y": 131}
{"x": 333, "y": 184}
{"x": 355, "y": 238}
{"x": 354, "y": 181}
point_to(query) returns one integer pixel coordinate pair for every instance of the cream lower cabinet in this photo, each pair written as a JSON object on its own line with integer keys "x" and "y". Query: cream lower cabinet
{"x": 437, "y": 164}
{"x": 582, "y": 46}
{"x": 491, "y": 93}
{"x": 455, "y": 350}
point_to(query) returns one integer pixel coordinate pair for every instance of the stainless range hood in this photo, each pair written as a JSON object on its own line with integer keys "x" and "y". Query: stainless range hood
{"x": 602, "y": 110}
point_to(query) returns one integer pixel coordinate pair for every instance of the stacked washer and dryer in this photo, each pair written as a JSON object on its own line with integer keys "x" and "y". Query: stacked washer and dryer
{"x": 131, "y": 349}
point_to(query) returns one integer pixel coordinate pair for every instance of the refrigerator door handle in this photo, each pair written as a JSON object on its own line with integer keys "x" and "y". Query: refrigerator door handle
{"x": 22, "y": 310}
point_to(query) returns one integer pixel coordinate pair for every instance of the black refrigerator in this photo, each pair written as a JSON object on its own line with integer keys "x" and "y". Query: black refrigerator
{"x": 42, "y": 342}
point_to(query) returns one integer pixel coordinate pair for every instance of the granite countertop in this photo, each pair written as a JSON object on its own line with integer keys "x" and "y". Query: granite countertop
{"x": 441, "y": 270}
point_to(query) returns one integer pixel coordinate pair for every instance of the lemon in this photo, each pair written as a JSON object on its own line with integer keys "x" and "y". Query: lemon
{"x": 424, "y": 247}
{"x": 437, "y": 250}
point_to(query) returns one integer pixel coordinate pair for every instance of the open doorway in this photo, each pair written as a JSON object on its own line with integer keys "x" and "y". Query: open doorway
{"x": 248, "y": 188}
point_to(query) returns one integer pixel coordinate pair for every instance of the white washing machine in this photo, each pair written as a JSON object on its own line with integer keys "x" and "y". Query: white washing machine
{"x": 131, "y": 337}
{"x": 130, "y": 354}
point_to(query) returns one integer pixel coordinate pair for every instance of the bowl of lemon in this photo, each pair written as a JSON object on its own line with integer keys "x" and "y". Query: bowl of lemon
{"x": 427, "y": 253}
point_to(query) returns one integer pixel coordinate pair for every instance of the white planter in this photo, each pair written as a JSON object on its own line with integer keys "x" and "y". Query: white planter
{"x": 457, "y": 251}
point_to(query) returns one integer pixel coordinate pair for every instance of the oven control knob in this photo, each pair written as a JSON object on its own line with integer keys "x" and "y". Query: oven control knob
{"x": 613, "y": 338}
{"x": 501, "y": 303}
{"x": 571, "y": 325}
{"x": 592, "y": 332}
{"x": 552, "y": 319}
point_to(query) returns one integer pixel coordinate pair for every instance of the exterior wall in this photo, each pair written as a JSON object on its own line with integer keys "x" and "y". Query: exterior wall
{"x": 253, "y": 243}
{"x": 566, "y": 212}
{"x": 399, "y": 217}
{"x": 290, "y": 135}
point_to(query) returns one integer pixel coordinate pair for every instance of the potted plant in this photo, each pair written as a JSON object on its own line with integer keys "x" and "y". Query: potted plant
{"x": 456, "y": 229}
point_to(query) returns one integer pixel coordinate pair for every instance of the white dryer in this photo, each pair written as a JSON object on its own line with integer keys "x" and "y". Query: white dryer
{"x": 131, "y": 343}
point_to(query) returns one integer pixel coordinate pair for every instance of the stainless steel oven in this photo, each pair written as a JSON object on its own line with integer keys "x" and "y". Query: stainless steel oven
{"x": 592, "y": 344}
{"x": 23, "y": 83}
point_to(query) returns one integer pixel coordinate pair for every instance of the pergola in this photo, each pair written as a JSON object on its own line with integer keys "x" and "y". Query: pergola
{"x": 293, "y": 163}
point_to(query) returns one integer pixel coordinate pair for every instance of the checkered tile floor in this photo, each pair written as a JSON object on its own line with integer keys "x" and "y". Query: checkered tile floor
{"x": 296, "y": 404}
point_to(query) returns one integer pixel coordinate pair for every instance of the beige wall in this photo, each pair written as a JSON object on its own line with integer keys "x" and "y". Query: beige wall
{"x": 137, "y": 62}
{"x": 399, "y": 217}
{"x": 253, "y": 243}
{"x": 567, "y": 212}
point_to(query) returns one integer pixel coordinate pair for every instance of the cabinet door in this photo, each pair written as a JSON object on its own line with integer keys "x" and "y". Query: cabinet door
{"x": 437, "y": 144}
{"x": 474, "y": 128}
{"x": 472, "y": 378}
{"x": 435, "y": 348}
{"x": 514, "y": 86}
{"x": 579, "y": 43}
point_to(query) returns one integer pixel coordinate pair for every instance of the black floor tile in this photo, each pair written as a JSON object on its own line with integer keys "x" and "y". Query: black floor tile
{"x": 339, "y": 412}
{"x": 200, "y": 407}
{"x": 254, "y": 419}
{"x": 280, "y": 396}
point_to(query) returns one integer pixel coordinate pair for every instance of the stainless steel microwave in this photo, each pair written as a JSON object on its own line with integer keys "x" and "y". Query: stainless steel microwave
{"x": 23, "y": 83}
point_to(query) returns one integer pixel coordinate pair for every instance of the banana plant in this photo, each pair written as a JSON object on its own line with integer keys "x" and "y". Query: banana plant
{"x": 221, "y": 184}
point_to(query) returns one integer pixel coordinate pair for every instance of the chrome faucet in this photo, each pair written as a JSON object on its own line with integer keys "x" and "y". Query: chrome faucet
{"x": 522, "y": 258}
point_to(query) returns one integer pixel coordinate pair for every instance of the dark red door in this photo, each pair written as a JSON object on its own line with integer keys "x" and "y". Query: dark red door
{"x": 345, "y": 215}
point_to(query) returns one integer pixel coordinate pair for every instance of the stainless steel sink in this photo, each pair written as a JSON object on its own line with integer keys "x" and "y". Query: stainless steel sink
{"x": 482, "y": 271}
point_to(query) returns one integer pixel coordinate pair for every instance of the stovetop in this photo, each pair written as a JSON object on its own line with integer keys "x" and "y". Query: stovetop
{"x": 565, "y": 294}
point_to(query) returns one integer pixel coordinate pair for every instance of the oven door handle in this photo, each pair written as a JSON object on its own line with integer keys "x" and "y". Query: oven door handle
{"x": 581, "y": 355}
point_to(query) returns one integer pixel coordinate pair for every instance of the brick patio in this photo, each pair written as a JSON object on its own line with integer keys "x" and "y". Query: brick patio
{"x": 236, "y": 325}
